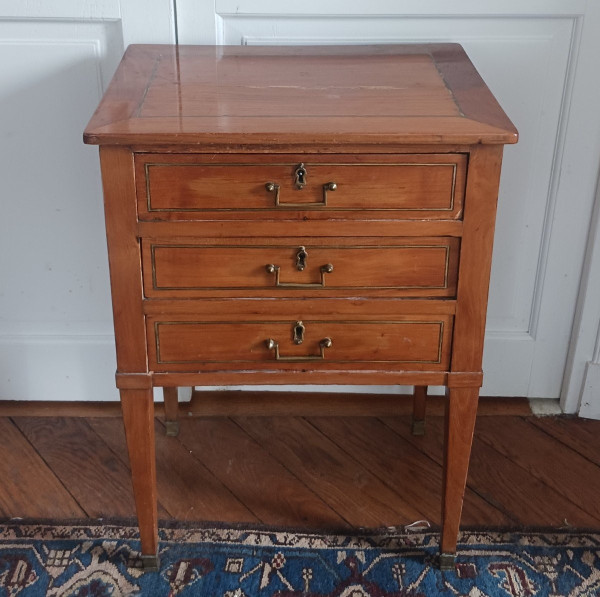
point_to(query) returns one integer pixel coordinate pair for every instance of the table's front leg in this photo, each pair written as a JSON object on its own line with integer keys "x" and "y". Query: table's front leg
{"x": 461, "y": 411}
{"x": 138, "y": 417}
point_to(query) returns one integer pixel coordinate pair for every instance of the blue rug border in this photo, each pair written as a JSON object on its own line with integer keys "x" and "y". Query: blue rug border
{"x": 173, "y": 531}
{"x": 170, "y": 523}
{"x": 248, "y": 559}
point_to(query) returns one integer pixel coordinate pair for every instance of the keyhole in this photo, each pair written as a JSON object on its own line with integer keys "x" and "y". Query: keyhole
{"x": 298, "y": 332}
{"x": 301, "y": 257}
{"x": 300, "y": 177}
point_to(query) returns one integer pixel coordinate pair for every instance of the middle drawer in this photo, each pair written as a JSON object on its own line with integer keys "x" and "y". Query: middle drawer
{"x": 417, "y": 267}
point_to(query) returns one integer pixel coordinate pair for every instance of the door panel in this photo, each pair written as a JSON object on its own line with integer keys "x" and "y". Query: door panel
{"x": 56, "y": 58}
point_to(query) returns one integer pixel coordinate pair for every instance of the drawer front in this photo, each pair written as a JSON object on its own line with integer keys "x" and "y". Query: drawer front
{"x": 411, "y": 343}
{"x": 409, "y": 267}
{"x": 416, "y": 187}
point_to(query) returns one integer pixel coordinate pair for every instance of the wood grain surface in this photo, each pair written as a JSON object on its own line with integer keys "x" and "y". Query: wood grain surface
{"x": 415, "y": 267}
{"x": 99, "y": 481}
{"x": 402, "y": 466}
{"x": 527, "y": 445}
{"x": 274, "y": 495}
{"x": 186, "y": 489}
{"x": 500, "y": 491}
{"x": 347, "y": 486}
{"x": 242, "y": 95}
{"x": 419, "y": 343}
{"x": 30, "y": 486}
{"x": 413, "y": 186}
{"x": 502, "y": 482}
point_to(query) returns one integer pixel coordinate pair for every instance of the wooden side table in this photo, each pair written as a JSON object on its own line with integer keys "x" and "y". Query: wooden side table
{"x": 291, "y": 215}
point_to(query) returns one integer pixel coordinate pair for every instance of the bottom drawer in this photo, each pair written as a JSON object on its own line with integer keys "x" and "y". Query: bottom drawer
{"x": 415, "y": 342}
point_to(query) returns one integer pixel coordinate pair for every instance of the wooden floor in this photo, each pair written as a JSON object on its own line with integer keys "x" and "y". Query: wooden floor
{"x": 310, "y": 471}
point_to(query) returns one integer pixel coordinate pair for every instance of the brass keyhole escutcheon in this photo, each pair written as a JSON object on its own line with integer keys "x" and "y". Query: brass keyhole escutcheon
{"x": 300, "y": 177}
{"x": 301, "y": 257}
{"x": 298, "y": 332}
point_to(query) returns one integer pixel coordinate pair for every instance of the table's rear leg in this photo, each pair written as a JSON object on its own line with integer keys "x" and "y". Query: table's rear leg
{"x": 170, "y": 396}
{"x": 419, "y": 408}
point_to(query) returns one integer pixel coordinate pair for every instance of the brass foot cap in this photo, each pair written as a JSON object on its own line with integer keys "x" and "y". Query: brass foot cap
{"x": 418, "y": 427}
{"x": 447, "y": 561}
{"x": 150, "y": 563}
{"x": 172, "y": 428}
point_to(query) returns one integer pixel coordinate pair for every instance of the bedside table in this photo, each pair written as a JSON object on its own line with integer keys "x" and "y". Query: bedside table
{"x": 294, "y": 215}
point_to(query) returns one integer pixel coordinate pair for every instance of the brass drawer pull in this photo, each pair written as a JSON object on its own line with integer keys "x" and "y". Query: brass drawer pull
{"x": 323, "y": 344}
{"x": 273, "y": 187}
{"x": 275, "y": 269}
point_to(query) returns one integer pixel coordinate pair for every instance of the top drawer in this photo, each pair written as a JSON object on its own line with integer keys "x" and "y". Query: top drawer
{"x": 188, "y": 187}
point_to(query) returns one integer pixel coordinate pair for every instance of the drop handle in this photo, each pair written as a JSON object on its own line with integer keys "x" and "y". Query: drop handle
{"x": 276, "y": 269}
{"x": 275, "y": 189}
{"x": 323, "y": 344}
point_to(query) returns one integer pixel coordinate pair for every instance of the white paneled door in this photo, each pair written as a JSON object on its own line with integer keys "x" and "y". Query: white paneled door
{"x": 538, "y": 58}
{"x": 56, "y": 58}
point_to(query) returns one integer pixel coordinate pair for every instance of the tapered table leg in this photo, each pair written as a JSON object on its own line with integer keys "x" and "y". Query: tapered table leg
{"x": 171, "y": 411}
{"x": 138, "y": 417}
{"x": 419, "y": 407}
{"x": 461, "y": 411}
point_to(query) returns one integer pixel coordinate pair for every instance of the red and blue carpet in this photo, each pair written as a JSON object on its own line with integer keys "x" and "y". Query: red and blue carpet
{"x": 207, "y": 560}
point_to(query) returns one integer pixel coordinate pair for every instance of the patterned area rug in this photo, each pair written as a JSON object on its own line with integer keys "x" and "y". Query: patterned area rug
{"x": 102, "y": 560}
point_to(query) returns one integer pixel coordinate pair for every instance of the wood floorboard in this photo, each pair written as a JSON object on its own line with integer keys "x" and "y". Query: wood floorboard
{"x": 271, "y": 492}
{"x": 316, "y": 472}
{"x": 28, "y": 487}
{"x": 187, "y": 490}
{"x": 404, "y": 468}
{"x": 83, "y": 462}
{"x": 499, "y": 481}
{"x": 535, "y": 451}
{"x": 582, "y": 435}
{"x": 340, "y": 480}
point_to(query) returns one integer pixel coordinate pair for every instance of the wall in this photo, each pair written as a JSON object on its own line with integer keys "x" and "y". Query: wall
{"x": 538, "y": 58}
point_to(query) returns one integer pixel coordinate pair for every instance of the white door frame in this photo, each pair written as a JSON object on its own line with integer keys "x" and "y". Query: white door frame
{"x": 581, "y": 383}
{"x": 581, "y": 388}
